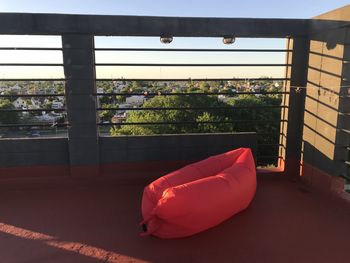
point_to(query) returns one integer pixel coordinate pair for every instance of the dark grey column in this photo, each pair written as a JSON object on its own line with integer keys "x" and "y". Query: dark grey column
{"x": 342, "y": 151}
{"x": 79, "y": 70}
{"x": 296, "y": 105}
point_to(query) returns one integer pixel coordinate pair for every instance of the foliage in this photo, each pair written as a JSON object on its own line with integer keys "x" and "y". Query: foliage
{"x": 226, "y": 116}
{"x": 171, "y": 116}
{"x": 267, "y": 118}
{"x": 260, "y": 120}
{"x": 106, "y": 115}
{"x": 7, "y": 117}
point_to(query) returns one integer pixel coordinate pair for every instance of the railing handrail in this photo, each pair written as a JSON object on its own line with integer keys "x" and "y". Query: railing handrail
{"x": 57, "y": 24}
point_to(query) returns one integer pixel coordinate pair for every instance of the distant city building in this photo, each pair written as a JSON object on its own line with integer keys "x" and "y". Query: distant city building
{"x": 222, "y": 98}
{"x": 35, "y": 104}
{"x": 135, "y": 100}
{"x": 119, "y": 85}
{"x": 122, "y": 114}
{"x": 15, "y": 88}
{"x": 57, "y": 105}
{"x": 19, "y": 103}
{"x": 255, "y": 88}
{"x": 47, "y": 118}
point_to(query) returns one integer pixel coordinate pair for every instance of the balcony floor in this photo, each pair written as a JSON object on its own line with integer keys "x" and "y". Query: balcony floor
{"x": 99, "y": 223}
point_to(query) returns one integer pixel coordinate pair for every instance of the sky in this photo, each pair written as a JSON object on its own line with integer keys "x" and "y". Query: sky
{"x": 194, "y": 8}
{"x": 201, "y": 8}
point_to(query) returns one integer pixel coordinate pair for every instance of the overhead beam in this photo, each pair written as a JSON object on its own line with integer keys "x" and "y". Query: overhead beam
{"x": 57, "y": 24}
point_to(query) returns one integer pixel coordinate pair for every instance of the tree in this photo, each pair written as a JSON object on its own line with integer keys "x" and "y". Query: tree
{"x": 172, "y": 116}
{"x": 268, "y": 121}
{"x": 106, "y": 115}
{"x": 8, "y": 117}
{"x": 240, "y": 113}
{"x": 204, "y": 86}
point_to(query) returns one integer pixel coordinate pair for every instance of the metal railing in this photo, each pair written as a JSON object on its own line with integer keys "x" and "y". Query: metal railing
{"x": 77, "y": 34}
{"x": 26, "y": 118}
{"x": 267, "y": 140}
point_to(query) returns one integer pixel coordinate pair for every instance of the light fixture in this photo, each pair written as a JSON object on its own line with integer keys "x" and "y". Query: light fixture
{"x": 227, "y": 40}
{"x": 166, "y": 39}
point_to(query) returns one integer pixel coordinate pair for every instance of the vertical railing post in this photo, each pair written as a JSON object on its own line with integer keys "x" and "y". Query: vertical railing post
{"x": 291, "y": 137}
{"x": 79, "y": 70}
{"x": 342, "y": 152}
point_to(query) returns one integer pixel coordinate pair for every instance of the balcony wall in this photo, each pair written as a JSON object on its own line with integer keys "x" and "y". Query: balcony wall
{"x": 118, "y": 156}
{"x": 85, "y": 153}
{"x": 313, "y": 125}
{"x": 324, "y": 139}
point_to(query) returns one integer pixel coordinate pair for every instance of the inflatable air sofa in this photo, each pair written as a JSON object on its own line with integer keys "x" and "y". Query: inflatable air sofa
{"x": 199, "y": 196}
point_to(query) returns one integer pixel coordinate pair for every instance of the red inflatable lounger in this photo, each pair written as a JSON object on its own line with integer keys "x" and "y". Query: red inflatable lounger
{"x": 199, "y": 196}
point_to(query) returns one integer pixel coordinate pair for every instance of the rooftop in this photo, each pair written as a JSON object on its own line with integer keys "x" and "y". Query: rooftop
{"x": 99, "y": 222}
{"x": 76, "y": 196}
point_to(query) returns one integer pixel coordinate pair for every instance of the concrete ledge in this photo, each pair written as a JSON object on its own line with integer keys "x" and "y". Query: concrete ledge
{"x": 180, "y": 147}
{"x": 20, "y": 145}
{"x": 21, "y": 23}
{"x": 28, "y": 152}
{"x": 122, "y": 156}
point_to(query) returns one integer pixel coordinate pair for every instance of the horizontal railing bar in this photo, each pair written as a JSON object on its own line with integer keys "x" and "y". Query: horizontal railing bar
{"x": 347, "y": 163}
{"x": 31, "y": 48}
{"x": 269, "y": 156}
{"x": 344, "y": 130}
{"x": 161, "y": 80}
{"x": 193, "y": 79}
{"x": 33, "y": 110}
{"x": 345, "y": 176}
{"x": 192, "y": 50}
{"x": 186, "y": 65}
{"x": 344, "y": 113}
{"x": 31, "y": 64}
{"x": 269, "y": 133}
{"x": 34, "y": 79}
{"x": 192, "y": 108}
{"x": 53, "y": 24}
{"x": 189, "y": 93}
{"x": 342, "y": 146}
{"x": 34, "y": 125}
{"x": 185, "y": 122}
{"x": 30, "y": 95}
{"x": 269, "y": 144}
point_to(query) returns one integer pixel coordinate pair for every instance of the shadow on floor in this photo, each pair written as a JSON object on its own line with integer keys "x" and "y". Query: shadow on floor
{"x": 285, "y": 223}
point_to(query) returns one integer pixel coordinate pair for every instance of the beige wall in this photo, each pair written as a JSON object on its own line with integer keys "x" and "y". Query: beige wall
{"x": 329, "y": 50}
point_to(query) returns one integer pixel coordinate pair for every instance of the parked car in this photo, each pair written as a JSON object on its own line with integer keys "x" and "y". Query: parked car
{"x": 35, "y": 134}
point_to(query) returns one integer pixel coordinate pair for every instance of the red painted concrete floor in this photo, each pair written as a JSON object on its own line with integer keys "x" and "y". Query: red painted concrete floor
{"x": 99, "y": 223}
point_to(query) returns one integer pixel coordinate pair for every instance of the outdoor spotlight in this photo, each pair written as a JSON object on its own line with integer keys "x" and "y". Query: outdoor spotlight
{"x": 166, "y": 39}
{"x": 228, "y": 40}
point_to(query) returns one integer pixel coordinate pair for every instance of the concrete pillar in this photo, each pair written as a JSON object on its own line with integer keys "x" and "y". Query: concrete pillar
{"x": 342, "y": 152}
{"x": 325, "y": 138}
{"x": 79, "y": 70}
{"x": 291, "y": 137}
